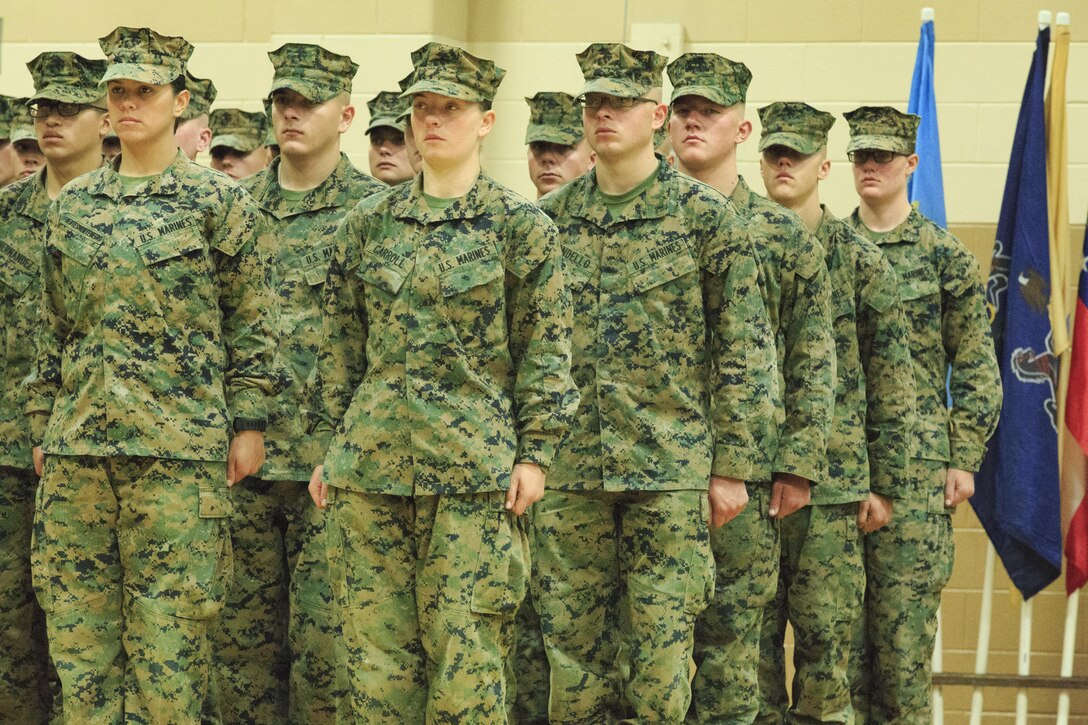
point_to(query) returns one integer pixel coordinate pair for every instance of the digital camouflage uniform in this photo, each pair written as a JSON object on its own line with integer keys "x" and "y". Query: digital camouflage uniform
{"x": 233, "y": 128}
{"x": 275, "y": 644}
{"x": 672, "y": 346}
{"x": 822, "y": 578}
{"x": 909, "y": 561}
{"x": 155, "y": 336}
{"x": 792, "y": 439}
{"x": 553, "y": 118}
{"x": 445, "y": 360}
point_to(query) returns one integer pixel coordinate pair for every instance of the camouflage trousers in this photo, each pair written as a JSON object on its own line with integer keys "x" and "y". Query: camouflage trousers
{"x": 820, "y": 590}
{"x": 131, "y": 562}
{"x": 275, "y": 642}
{"x": 746, "y": 554}
{"x": 618, "y": 581}
{"x": 908, "y": 563}
{"x": 25, "y": 671}
{"x": 528, "y": 674}
{"x": 428, "y": 587}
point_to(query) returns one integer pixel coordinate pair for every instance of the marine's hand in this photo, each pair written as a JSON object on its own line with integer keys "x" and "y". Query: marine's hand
{"x": 789, "y": 493}
{"x": 728, "y": 497}
{"x": 319, "y": 490}
{"x": 246, "y": 455}
{"x": 39, "y": 460}
{"x": 874, "y": 512}
{"x": 526, "y": 487}
{"x": 958, "y": 487}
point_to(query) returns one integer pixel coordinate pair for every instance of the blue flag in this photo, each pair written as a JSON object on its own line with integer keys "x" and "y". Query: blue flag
{"x": 926, "y": 185}
{"x": 1017, "y": 494}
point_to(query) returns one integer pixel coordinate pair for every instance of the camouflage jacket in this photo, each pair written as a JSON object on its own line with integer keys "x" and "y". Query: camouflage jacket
{"x": 873, "y": 422}
{"x": 445, "y": 354}
{"x": 941, "y": 289}
{"x": 303, "y": 234}
{"x": 796, "y": 291}
{"x": 157, "y": 316}
{"x": 672, "y": 347}
{"x": 23, "y": 209}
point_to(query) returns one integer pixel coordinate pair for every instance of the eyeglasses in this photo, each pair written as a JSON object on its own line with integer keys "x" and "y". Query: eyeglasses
{"x": 595, "y": 101}
{"x": 43, "y": 109}
{"x": 880, "y": 156}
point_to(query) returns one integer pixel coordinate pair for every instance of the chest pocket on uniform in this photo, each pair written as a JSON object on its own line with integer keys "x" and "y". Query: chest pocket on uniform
{"x": 474, "y": 297}
{"x": 180, "y": 272}
{"x": 77, "y": 253}
{"x": 646, "y": 274}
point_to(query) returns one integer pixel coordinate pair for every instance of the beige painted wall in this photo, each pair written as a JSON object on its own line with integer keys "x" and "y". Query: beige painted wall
{"x": 835, "y": 54}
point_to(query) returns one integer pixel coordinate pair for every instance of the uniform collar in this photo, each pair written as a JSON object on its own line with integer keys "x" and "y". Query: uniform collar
{"x": 169, "y": 182}
{"x": 657, "y": 201}
{"x": 909, "y": 232}
{"x": 409, "y": 203}
{"x": 743, "y": 196}
{"x": 332, "y": 193}
{"x": 33, "y": 198}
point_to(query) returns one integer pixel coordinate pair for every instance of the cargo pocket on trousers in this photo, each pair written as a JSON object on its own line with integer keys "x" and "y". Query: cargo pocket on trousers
{"x": 700, "y": 585}
{"x": 214, "y": 509}
{"x": 39, "y": 558}
{"x": 502, "y": 571}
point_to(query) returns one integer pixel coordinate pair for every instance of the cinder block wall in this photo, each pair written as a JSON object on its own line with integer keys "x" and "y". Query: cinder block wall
{"x": 835, "y": 54}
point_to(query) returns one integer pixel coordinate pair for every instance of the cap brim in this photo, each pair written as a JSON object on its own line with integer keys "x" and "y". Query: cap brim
{"x": 445, "y": 88}
{"x": 553, "y": 134}
{"x": 23, "y": 133}
{"x": 312, "y": 92}
{"x": 711, "y": 93}
{"x": 156, "y": 75}
{"x": 388, "y": 121}
{"x": 242, "y": 144}
{"x": 614, "y": 87}
{"x": 795, "y": 141}
{"x": 880, "y": 143}
{"x": 64, "y": 94}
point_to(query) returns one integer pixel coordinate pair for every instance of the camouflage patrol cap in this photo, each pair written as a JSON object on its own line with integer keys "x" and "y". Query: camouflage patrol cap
{"x": 237, "y": 129}
{"x": 709, "y": 76}
{"x": 7, "y": 110}
{"x": 405, "y": 83}
{"x": 882, "y": 127}
{"x": 554, "y": 118}
{"x": 202, "y": 95}
{"x": 22, "y": 124}
{"x": 141, "y": 54}
{"x": 385, "y": 110}
{"x": 795, "y": 125}
{"x": 616, "y": 70}
{"x": 67, "y": 77}
{"x": 311, "y": 71}
{"x": 451, "y": 71}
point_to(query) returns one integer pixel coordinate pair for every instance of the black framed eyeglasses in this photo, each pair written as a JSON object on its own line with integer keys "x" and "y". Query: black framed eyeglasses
{"x": 42, "y": 109}
{"x": 881, "y": 156}
{"x": 596, "y": 100}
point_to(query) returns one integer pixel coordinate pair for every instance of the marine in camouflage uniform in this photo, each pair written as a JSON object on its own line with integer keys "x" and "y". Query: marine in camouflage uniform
{"x": 26, "y": 675}
{"x": 238, "y": 146}
{"x": 444, "y": 372}
{"x": 194, "y": 133}
{"x": 792, "y": 439}
{"x": 909, "y": 561}
{"x": 558, "y": 149}
{"x": 388, "y": 154}
{"x": 275, "y": 646}
{"x": 155, "y": 337}
{"x": 672, "y": 354}
{"x": 10, "y": 165}
{"x": 822, "y": 577}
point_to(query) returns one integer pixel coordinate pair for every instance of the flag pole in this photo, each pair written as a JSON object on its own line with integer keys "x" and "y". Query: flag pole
{"x": 1023, "y": 665}
{"x": 982, "y": 648}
